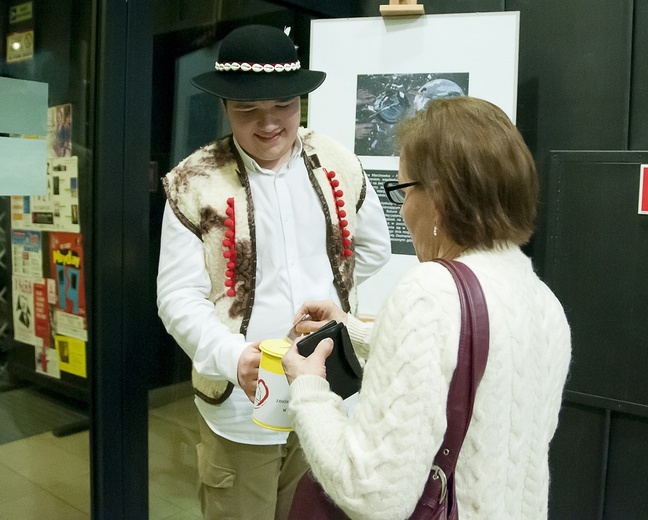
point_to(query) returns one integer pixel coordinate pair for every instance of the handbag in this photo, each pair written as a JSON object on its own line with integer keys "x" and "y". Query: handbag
{"x": 343, "y": 370}
{"x": 439, "y": 499}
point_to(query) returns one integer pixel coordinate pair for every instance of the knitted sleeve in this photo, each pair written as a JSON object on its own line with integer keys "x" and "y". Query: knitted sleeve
{"x": 375, "y": 463}
{"x": 359, "y": 332}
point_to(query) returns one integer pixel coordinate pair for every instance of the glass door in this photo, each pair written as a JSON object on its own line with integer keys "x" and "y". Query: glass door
{"x": 75, "y": 346}
{"x": 46, "y": 71}
{"x": 96, "y": 408}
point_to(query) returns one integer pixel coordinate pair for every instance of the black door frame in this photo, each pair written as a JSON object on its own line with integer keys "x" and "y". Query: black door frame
{"x": 119, "y": 246}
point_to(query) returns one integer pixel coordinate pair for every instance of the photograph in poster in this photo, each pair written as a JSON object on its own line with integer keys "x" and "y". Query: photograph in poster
{"x": 59, "y": 131}
{"x": 382, "y": 100}
{"x": 483, "y": 47}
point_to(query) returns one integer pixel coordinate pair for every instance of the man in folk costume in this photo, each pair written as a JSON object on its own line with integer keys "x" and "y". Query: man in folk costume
{"x": 255, "y": 224}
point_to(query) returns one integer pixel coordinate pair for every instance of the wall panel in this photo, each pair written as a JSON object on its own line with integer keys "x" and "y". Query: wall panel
{"x": 596, "y": 264}
{"x": 639, "y": 100}
{"x": 575, "y": 64}
{"x": 576, "y": 463}
{"x": 627, "y": 478}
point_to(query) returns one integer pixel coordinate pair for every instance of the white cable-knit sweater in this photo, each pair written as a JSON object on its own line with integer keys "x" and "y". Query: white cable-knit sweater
{"x": 375, "y": 463}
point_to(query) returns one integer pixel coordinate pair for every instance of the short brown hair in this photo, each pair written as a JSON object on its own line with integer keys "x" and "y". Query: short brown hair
{"x": 474, "y": 164}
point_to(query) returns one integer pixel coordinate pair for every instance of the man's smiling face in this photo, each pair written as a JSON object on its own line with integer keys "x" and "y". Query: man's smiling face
{"x": 266, "y": 130}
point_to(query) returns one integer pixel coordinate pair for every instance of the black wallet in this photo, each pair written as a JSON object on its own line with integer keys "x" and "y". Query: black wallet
{"x": 343, "y": 370}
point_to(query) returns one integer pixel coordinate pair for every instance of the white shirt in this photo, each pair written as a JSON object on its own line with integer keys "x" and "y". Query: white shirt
{"x": 292, "y": 266}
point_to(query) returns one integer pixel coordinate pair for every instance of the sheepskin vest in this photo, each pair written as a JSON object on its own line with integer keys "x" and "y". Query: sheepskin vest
{"x": 209, "y": 192}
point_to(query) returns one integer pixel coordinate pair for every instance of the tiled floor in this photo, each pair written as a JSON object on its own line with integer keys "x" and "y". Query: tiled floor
{"x": 44, "y": 476}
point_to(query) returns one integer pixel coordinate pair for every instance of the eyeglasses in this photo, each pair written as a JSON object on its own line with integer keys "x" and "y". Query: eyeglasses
{"x": 396, "y": 192}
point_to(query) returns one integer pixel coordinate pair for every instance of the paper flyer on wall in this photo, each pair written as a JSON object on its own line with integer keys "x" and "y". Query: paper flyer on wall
{"x": 43, "y": 312}
{"x": 30, "y": 311}
{"x": 47, "y": 362}
{"x": 58, "y": 209}
{"x": 23, "y": 309}
{"x": 67, "y": 269}
{"x": 27, "y": 253}
{"x": 46, "y": 356}
{"x": 59, "y": 131}
{"x": 72, "y": 355}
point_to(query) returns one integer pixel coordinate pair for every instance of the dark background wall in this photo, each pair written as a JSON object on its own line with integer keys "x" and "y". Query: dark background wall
{"x": 583, "y": 110}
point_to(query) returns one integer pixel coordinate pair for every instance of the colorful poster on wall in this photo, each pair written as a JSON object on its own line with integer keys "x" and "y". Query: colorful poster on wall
{"x": 32, "y": 311}
{"x": 42, "y": 313}
{"x": 46, "y": 356}
{"x": 27, "y": 253}
{"x": 67, "y": 270}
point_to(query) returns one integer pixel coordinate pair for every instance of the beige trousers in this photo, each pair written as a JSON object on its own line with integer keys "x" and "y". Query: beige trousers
{"x": 245, "y": 481}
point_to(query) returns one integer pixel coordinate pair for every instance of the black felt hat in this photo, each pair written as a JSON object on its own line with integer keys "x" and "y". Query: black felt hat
{"x": 256, "y": 63}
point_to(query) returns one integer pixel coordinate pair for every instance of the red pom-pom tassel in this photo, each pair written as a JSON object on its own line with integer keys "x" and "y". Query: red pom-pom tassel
{"x": 230, "y": 247}
{"x": 339, "y": 203}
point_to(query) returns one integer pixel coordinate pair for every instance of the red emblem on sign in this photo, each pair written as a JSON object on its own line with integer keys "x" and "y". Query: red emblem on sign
{"x": 643, "y": 190}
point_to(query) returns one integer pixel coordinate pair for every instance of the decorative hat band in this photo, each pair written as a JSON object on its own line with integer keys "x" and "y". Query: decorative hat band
{"x": 257, "y": 67}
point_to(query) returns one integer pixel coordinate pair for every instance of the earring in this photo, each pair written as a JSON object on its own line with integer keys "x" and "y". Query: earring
{"x": 436, "y": 231}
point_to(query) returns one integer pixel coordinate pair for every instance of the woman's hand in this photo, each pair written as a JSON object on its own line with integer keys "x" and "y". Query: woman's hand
{"x": 314, "y": 314}
{"x": 295, "y": 365}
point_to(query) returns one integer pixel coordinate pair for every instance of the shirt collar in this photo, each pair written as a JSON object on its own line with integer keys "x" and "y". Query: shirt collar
{"x": 252, "y": 166}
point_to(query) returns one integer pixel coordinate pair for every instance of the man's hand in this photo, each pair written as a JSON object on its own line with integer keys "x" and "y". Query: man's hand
{"x": 248, "y": 369}
{"x": 318, "y": 312}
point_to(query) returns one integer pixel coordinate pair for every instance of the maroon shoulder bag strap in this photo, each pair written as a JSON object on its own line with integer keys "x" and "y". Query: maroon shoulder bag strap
{"x": 439, "y": 499}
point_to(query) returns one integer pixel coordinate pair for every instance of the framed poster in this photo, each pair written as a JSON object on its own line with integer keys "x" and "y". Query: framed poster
{"x": 381, "y": 70}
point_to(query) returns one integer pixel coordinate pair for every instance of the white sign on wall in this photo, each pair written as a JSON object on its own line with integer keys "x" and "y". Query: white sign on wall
{"x": 381, "y": 70}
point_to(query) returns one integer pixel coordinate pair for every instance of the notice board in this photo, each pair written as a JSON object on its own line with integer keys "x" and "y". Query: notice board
{"x": 381, "y": 70}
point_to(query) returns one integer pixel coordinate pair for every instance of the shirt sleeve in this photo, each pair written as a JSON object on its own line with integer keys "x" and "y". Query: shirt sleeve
{"x": 372, "y": 240}
{"x": 183, "y": 288}
{"x": 375, "y": 463}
